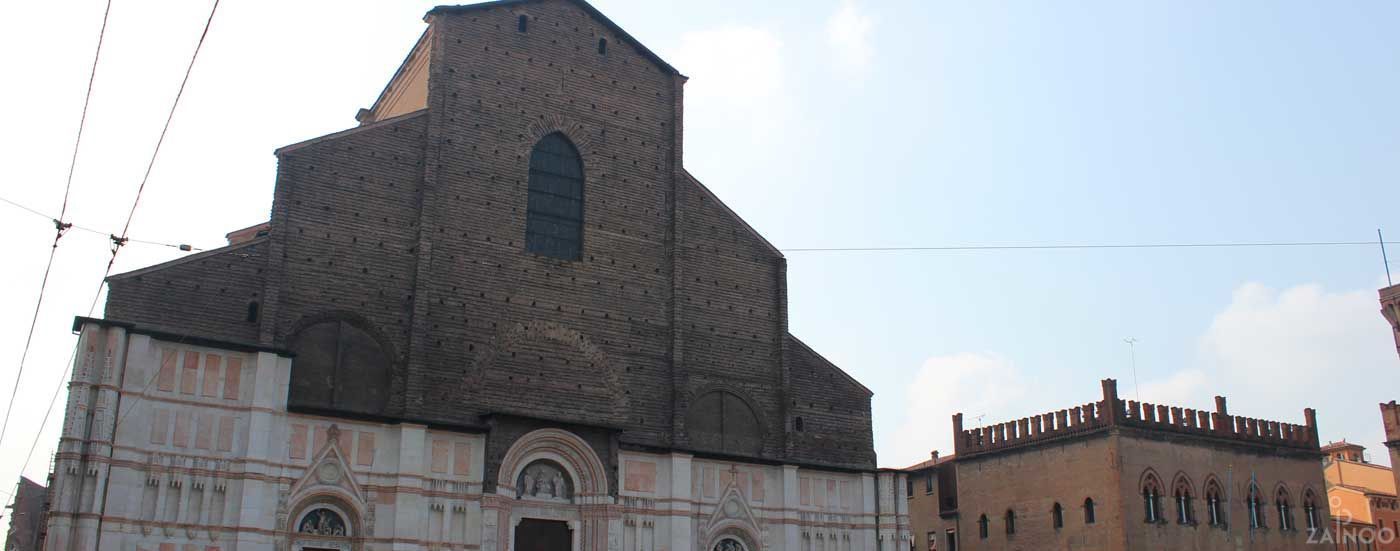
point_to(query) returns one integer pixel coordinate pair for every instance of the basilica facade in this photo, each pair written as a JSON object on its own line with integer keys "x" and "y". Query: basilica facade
{"x": 498, "y": 314}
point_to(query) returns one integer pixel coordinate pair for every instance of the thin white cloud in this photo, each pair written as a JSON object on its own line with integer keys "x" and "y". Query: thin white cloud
{"x": 848, "y": 35}
{"x": 972, "y": 383}
{"x": 1273, "y": 353}
{"x": 1270, "y": 352}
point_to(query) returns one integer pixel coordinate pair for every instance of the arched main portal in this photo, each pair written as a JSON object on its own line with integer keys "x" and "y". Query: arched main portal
{"x": 551, "y": 488}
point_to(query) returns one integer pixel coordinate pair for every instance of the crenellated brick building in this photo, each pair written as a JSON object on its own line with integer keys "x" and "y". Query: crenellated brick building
{"x": 497, "y": 314}
{"x": 1121, "y": 475}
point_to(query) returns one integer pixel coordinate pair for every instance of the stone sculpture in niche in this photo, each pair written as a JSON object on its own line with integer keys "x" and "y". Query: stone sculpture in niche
{"x": 728, "y": 545}
{"x": 322, "y": 522}
{"x": 544, "y": 480}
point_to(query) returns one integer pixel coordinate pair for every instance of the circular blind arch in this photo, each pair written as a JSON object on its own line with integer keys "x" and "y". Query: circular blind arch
{"x": 723, "y": 421}
{"x": 339, "y": 367}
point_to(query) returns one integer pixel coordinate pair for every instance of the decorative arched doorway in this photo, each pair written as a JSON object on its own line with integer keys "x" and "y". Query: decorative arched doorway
{"x": 324, "y": 526}
{"x": 551, "y": 495}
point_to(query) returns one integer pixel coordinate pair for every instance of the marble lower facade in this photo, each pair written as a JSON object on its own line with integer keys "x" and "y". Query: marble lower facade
{"x": 171, "y": 446}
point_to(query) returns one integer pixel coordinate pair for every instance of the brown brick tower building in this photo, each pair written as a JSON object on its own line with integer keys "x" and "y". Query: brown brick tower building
{"x": 498, "y": 314}
{"x": 1120, "y": 475}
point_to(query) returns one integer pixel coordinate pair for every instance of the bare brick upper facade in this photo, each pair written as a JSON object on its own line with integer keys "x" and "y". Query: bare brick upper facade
{"x": 404, "y": 239}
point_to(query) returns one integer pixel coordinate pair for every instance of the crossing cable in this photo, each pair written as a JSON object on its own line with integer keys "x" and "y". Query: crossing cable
{"x": 118, "y": 242}
{"x": 59, "y": 225}
{"x": 181, "y": 246}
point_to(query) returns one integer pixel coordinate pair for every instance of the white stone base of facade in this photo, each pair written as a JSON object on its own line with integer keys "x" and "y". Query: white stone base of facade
{"x": 168, "y": 446}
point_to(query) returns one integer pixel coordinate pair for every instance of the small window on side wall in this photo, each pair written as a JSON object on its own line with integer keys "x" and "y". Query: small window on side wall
{"x": 522, "y": 23}
{"x": 602, "y": 46}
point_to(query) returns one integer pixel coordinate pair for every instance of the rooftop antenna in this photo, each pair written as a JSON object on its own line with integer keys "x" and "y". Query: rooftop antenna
{"x": 1384, "y": 260}
{"x": 1132, "y": 353}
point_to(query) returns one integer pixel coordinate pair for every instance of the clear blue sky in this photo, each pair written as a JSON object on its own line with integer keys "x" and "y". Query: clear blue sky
{"x": 845, "y": 124}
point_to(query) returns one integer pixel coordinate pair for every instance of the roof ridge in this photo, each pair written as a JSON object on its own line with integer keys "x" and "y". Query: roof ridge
{"x": 646, "y": 52}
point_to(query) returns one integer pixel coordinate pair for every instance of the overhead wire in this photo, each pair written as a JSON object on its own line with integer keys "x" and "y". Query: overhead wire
{"x": 182, "y": 246}
{"x": 1087, "y": 246}
{"x": 60, "y": 227}
{"x": 118, "y": 242}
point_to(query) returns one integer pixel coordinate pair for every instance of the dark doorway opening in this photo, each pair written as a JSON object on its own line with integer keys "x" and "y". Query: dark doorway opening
{"x": 543, "y": 535}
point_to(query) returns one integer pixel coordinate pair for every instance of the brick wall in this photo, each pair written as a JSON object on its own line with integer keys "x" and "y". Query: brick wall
{"x": 205, "y": 295}
{"x": 1030, "y": 482}
{"x": 1233, "y": 465}
{"x": 412, "y": 228}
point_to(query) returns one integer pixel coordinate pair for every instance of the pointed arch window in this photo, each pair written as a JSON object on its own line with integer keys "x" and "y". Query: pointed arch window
{"x": 1310, "y": 509}
{"x": 1214, "y": 510}
{"x": 1057, "y": 516}
{"x": 982, "y": 527}
{"x": 1151, "y": 499}
{"x": 1088, "y": 510}
{"x": 1285, "y": 509}
{"x": 1255, "y": 504}
{"x": 1181, "y": 494}
{"x": 554, "y": 212}
{"x": 1010, "y": 522}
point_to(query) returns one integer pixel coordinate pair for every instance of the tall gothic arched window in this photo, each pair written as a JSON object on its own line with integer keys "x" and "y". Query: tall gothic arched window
{"x": 554, "y": 212}
{"x": 1214, "y": 508}
{"x": 1152, "y": 499}
{"x": 1310, "y": 509}
{"x": 1181, "y": 493}
{"x": 1285, "y": 509}
{"x": 1255, "y": 504}
{"x": 1088, "y": 510}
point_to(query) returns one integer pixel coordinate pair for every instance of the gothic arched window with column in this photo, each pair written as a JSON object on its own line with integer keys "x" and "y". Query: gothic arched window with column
{"x": 1151, "y": 499}
{"x": 1181, "y": 494}
{"x": 554, "y": 210}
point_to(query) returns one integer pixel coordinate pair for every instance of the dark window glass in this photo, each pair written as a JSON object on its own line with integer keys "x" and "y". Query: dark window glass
{"x": 1057, "y": 516}
{"x": 1088, "y": 510}
{"x": 554, "y": 209}
{"x": 522, "y": 23}
{"x": 1010, "y": 522}
{"x": 602, "y": 45}
{"x": 982, "y": 527}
